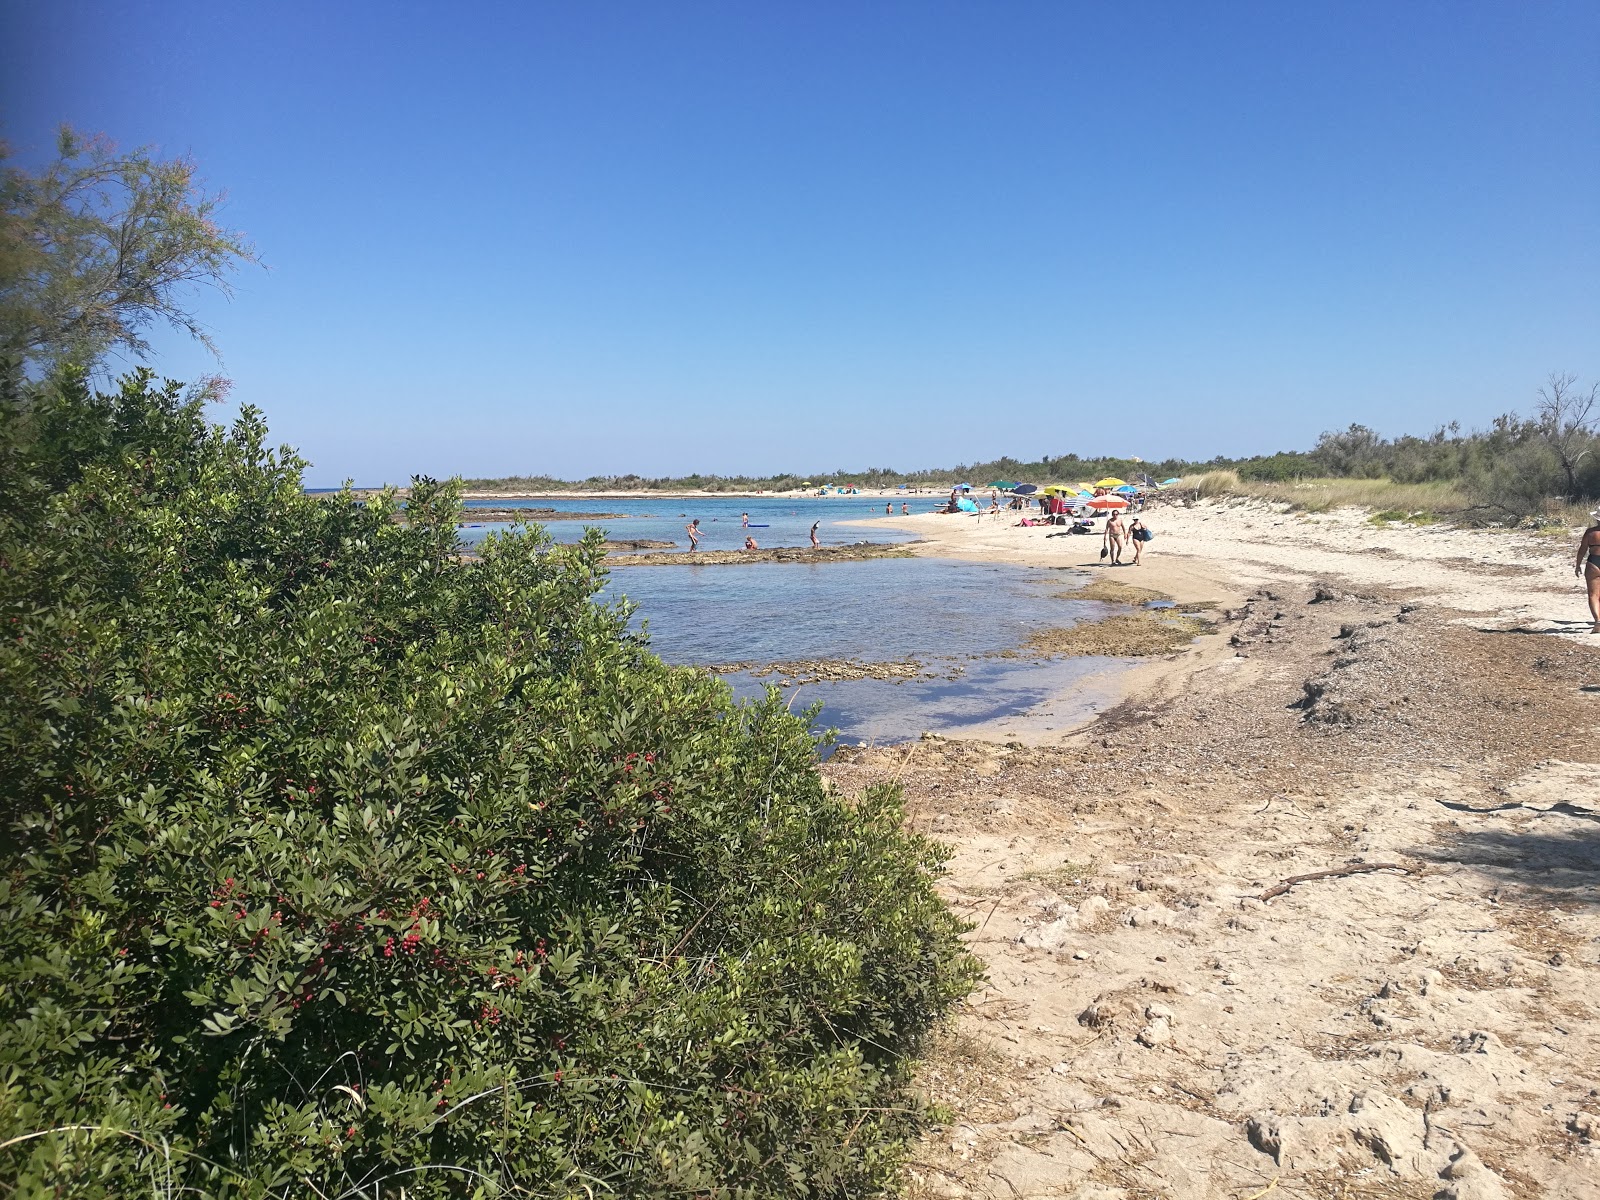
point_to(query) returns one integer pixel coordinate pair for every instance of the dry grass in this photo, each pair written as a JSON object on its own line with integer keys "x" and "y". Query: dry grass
{"x": 1408, "y": 500}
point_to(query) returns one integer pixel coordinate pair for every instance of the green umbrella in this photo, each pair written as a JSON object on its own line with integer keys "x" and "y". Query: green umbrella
{"x": 1002, "y": 485}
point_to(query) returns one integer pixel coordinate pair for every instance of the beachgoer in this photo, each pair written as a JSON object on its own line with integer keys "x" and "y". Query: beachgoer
{"x": 750, "y": 543}
{"x": 747, "y": 520}
{"x": 693, "y": 530}
{"x": 888, "y": 510}
{"x": 994, "y": 503}
{"x": 1138, "y": 535}
{"x": 1114, "y": 536}
{"x": 814, "y": 540}
{"x": 905, "y": 509}
{"x": 1588, "y": 566}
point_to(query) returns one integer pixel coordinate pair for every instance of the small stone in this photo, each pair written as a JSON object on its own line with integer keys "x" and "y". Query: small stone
{"x": 1157, "y": 1033}
{"x": 1158, "y": 1012}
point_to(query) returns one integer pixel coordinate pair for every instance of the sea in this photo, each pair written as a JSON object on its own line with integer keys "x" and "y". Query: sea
{"x": 962, "y": 621}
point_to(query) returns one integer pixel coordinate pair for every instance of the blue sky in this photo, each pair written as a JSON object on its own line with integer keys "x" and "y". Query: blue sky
{"x": 750, "y": 237}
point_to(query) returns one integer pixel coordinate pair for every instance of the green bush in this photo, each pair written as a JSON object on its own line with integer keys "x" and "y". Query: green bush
{"x": 335, "y": 865}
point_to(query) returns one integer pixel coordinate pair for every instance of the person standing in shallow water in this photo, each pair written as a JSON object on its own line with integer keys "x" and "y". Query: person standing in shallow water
{"x": 1588, "y": 567}
{"x": 746, "y": 520}
{"x": 693, "y": 530}
{"x": 814, "y": 540}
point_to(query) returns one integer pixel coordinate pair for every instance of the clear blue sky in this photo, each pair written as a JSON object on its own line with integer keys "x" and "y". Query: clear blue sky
{"x": 748, "y": 237}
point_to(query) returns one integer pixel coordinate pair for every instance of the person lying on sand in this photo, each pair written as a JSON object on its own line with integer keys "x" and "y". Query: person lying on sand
{"x": 1588, "y": 566}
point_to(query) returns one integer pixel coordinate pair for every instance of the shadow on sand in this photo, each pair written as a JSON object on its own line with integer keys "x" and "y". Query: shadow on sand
{"x": 1559, "y": 856}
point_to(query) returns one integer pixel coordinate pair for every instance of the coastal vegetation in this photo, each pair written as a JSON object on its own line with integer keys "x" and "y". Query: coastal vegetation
{"x": 1519, "y": 468}
{"x": 98, "y": 247}
{"x": 336, "y": 862}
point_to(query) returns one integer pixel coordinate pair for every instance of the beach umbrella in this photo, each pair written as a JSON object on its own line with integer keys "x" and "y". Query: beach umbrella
{"x": 1107, "y": 503}
{"x": 1168, "y": 482}
{"x": 1055, "y": 489}
{"x": 965, "y": 486}
{"x": 1128, "y": 489}
{"x": 1025, "y": 489}
{"x": 1001, "y": 484}
{"x": 966, "y": 505}
{"x": 1111, "y": 481}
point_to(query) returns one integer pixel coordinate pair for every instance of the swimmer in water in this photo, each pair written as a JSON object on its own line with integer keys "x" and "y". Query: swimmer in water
{"x": 905, "y": 509}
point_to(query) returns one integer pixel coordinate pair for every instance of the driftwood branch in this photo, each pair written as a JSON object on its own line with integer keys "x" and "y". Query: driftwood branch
{"x": 1279, "y": 889}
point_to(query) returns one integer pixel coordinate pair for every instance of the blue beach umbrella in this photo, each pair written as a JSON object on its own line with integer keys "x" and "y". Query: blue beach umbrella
{"x": 1026, "y": 489}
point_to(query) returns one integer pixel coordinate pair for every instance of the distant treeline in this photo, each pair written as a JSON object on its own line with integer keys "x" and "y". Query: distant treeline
{"x": 1516, "y": 465}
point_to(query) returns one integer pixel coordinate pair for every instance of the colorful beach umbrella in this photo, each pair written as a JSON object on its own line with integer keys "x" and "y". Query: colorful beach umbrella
{"x": 1056, "y": 489}
{"x": 1107, "y": 503}
{"x": 1002, "y": 485}
{"x": 1128, "y": 489}
{"x": 1111, "y": 481}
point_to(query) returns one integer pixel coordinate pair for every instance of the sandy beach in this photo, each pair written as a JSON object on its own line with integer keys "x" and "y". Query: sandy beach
{"x": 1314, "y": 911}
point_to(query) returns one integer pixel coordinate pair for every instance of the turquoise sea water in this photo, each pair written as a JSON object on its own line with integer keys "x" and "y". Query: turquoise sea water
{"x": 788, "y": 520}
{"x": 957, "y": 618}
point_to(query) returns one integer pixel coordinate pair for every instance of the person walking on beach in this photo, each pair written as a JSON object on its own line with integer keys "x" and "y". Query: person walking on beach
{"x": 1588, "y": 566}
{"x": 693, "y": 530}
{"x": 814, "y": 542}
{"x": 1114, "y": 537}
{"x": 1138, "y": 535}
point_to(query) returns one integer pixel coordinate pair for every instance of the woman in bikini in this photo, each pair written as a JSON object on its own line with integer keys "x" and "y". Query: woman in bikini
{"x": 1588, "y": 566}
{"x": 693, "y": 530}
{"x": 1136, "y": 539}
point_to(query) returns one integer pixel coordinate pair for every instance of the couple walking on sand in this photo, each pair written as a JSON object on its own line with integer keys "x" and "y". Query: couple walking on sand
{"x": 1120, "y": 535}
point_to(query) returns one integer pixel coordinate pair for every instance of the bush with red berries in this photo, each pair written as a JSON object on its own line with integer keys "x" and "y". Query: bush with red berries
{"x": 334, "y": 864}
